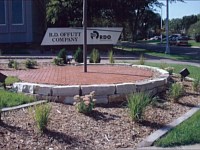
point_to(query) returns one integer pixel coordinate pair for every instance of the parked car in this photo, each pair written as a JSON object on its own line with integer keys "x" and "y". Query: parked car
{"x": 182, "y": 41}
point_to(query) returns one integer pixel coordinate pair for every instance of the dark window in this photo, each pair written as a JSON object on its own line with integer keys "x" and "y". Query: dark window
{"x": 2, "y": 12}
{"x": 17, "y": 12}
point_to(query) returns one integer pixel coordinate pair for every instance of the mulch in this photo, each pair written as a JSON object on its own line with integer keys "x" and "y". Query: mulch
{"x": 107, "y": 127}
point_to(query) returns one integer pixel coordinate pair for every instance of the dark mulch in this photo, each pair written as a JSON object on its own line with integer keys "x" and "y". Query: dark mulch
{"x": 107, "y": 127}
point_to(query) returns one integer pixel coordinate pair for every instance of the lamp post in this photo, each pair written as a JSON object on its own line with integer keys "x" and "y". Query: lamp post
{"x": 161, "y": 39}
{"x": 167, "y": 51}
{"x": 85, "y": 34}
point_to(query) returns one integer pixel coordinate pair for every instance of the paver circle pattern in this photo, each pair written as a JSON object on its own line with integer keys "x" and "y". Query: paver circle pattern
{"x": 74, "y": 75}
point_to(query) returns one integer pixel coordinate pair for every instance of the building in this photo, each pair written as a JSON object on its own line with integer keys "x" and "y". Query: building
{"x": 22, "y": 21}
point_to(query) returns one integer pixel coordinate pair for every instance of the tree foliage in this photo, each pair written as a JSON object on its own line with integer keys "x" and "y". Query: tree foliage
{"x": 135, "y": 16}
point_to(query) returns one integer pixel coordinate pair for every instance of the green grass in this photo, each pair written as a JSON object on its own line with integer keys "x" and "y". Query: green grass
{"x": 130, "y": 49}
{"x": 9, "y": 99}
{"x": 171, "y": 56}
{"x": 194, "y": 71}
{"x": 184, "y": 134}
{"x": 194, "y": 43}
{"x": 11, "y": 79}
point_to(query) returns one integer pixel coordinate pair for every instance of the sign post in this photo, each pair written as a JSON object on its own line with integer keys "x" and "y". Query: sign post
{"x": 85, "y": 34}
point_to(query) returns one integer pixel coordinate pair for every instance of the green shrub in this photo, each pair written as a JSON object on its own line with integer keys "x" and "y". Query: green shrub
{"x": 196, "y": 84}
{"x": 9, "y": 99}
{"x": 10, "y": 63}
{"x": 41, "y": 116}
{"x": 30, "y": 63}
{"x": 16, "y": 65}
{"x": 85, "y": 104}
{"x": 141, "y": 60}
{"x": 137, "y": 103}
{"x": 170, "y": 70}
{"x": 11, "y": 79}
{"x": 111, "y": 57}
{"x": 176, "y": 91}
{"x": 62, "y": 54}
{"x": 13, "y": 64}
{"x": 95, "y": 56}
{"x": 78, "y": 56}
{"x": 58, "y": 61}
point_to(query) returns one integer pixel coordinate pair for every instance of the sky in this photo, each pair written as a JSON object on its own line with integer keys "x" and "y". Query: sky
{"x": 180, "y": 9}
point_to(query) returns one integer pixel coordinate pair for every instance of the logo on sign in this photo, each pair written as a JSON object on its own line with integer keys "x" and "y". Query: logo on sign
{"x": 96, "y": 35}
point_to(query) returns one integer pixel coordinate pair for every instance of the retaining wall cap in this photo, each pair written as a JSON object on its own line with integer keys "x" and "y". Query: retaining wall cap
{"x": 102, "y": 89}
{"x": 66, "y": 90}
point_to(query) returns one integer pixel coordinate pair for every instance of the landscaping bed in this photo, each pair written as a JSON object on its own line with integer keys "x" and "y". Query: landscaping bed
{"x": 107, "y": 127}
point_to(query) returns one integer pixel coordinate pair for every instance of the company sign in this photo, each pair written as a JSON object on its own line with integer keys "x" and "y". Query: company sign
{"x": 74, "y": 36}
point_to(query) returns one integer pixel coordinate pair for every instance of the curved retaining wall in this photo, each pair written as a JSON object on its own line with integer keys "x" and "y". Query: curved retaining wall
{"x": 104, "y": 93}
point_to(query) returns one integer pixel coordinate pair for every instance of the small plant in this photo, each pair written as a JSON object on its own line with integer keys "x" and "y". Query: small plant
{"x": 41, "y": 116}
{"x": 62, "y": 54}
{"x": 95, "y": 56}
{"x": 163, "y": 65}
{"x": 170, "y": 70}
{"x": 58, "y": 61}
{"x": 16, "y": 65}
{"x": 141, "y": 60}
{"x": 30, "y": 63}
{"x": 176, "y": 91}
{"x": 111, "y": 57}
{"x": 78, "y": 56}
{"x": 196, "y": 84}
{"x": 11, "y": 79}
{"x": 137, "y": 103}
{"x": 85, "y": 104}
{"x": 13, "y": 64}
{"x": 10, "y": 63}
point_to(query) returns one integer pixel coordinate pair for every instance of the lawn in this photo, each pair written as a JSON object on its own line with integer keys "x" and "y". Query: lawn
{"x": 184, "y": 134}
{"x": 194, "y": 43}
{"x": 194, "y": 71}
{"x": 170, "y": 56}
{"x": 9, "y": 99}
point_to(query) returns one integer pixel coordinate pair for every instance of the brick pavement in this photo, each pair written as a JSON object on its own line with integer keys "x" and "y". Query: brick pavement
{"x": 74, "y": 75}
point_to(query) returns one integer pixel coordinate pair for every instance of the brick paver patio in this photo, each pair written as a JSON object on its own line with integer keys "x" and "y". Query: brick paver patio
{"x": 74, "y": 75}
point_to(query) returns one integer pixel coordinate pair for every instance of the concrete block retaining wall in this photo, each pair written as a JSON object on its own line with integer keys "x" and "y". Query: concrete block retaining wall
{"x": 104, "y": 93}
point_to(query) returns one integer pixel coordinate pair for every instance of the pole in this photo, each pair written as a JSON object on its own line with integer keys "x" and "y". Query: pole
{"x": 161, "y": 39}
{"x": 85, "y": 34}
{"x": 167, "y": 29}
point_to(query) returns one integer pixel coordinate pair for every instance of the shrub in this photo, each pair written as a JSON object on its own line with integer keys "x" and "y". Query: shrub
{"x": 15, "y": 65}
{"x": 176, "y": 91}
{"x": 58, "y": 61}
{"x": 137, "y": 103}
{"x": 95, "y": 56}
{"x": 196, "y": 84}
{"x": 141, "y": 60}
{"x": 78, "y": 56}
{"x": 41, "y": 116}
{"x": 62, "y": 54}
{"x": 111, "y": 57}
{"x": 163, "y": 65}
{"x": 10, "y": 63}
{"x": 170, "y": 70}
{"x": 30, "y": 63}
{"x": 11, "y": 79}
{"x": 85, "y": 104}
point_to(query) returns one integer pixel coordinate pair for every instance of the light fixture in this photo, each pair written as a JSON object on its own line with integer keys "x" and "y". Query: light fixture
{"x": 184, "y": 73}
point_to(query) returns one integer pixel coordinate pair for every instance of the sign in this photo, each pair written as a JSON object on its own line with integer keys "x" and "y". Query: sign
{"x": 74, "y": 36}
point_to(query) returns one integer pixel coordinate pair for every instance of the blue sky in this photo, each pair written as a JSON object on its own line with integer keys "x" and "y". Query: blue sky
{"x": 180, "y": 9}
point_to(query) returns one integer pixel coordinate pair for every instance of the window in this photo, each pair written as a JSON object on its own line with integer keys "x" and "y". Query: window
{"x": 2, "y": 12}
{"x": 17, "y": 12}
